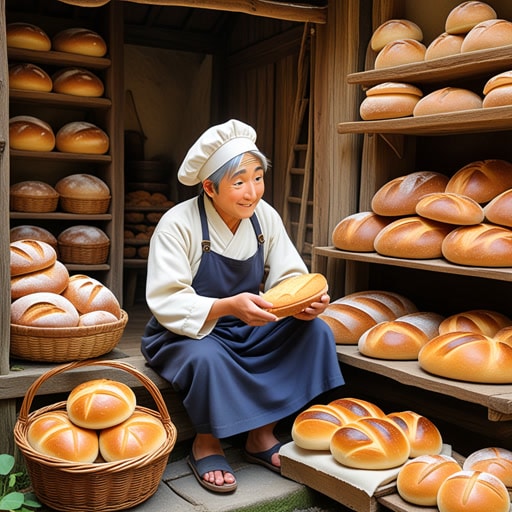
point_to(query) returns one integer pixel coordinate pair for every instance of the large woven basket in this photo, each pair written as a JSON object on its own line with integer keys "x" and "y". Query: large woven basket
{"x": 63, "y": 344}
{"x": 84, "y": 254}
{"x": 84, "y": 205}
{"x": 33, "y": 204}
{"x": 93, "y": 487}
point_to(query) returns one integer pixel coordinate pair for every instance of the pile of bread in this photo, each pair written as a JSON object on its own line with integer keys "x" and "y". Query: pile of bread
{"x": 100, "y": 424}
{"x": 469, "y": 27}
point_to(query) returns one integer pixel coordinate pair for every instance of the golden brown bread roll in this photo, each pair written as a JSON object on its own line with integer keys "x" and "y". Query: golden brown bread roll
{"x": 100, "y": 403}
{"x": 488, "y": 34}
{"x": 481, "y": 321}
{"x": 81, "y": 41}
{"x": 444, "y": 45}
{"x": 78, "y": 82}
{"x": 394, "y": 29}
{"x": 370, "y": 443}
{"x": 54, "y": 435}
{"x": 29, "y": 256}
{"x": 50, "y": 279}
{"x": 462, "y": 18}
{"x": 412, "y": 237}
{"x": 450, "y": 208}
{"x": 82, "y": 137}
{"x": 29, "y": 133}
{"x": 468, "y": 356}
{"x": 482, "y": 245}
{"x": 399, "y": 196}
{"x": 419, "y": 479}
{"x": 473, "y": 491}
{"x": 498, "y": 90}
{"x": 447, "y": 99}
{"x": 96, "y": 318}
{"x": 400, "y": 51}
{"x": 499, "y": 210}
{"x": 29, "y": 77}
{"x": 29, "y": 232}
{"x": 494, "y": 460}
{"x": 27, "y": 36}
{"x": 351, "y": 409}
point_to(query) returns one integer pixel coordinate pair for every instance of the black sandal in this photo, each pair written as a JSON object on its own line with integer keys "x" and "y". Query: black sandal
{"x": 211, "y": 463}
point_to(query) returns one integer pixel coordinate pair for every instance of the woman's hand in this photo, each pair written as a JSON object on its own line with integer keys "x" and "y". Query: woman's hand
{"x": 248, "y": 307}
{"x": 315, "y": 309}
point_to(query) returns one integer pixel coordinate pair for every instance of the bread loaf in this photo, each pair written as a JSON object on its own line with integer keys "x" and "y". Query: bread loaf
{"x": 82, "y": 137}
{"x": 84, "y": 235}
{"x": 473, "y": 491}
{"x": 494, "y": 460}
{"x": 498, "y": 90}
{"x": 29, "y": 77}
{"x": 100, "y": 403}
{"x": 78, "y": 82}
{"x": 400, "y": 51}
{"x": 394, "y": 29}
{"x": 351, "y": 409}
{"x": 30, "y": 255}
{"x": 447, "y": 99}
{"x": 81, "y": 41}
{"x": 50, "y": 279}
{"x": 28, "y": 133}
{"x": 450, "y": 208}
{"x": 399, "y": 196}
{"x": 27, "y": 36}
{"x": 499, "y": 210}
{"x": 33, "y": 196}
{"x": 412, "y": 237}
{"x": 482, "y": 180}
{"x": 370, "y": 443}
{"x": 488, "y": 34}
{"x": 469, "y": 357}
{"x": 27, "y": 231}
{"x": 52, "y": 434}
{"x": 43, "y": 309}
{"x": 400, "y": 339}
{"x": 444, "y": 45}
{"x": 419, "y": 479}
{"x": 466, "y": 15}
{"x": 483, "y": 245}
{"x": 357, "y": 232}
{"x": 82, "y": 186}
{"x": 96, "y": 318}
{"x": 481, "y": 321}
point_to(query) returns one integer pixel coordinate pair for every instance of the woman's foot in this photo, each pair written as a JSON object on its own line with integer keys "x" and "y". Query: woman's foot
{"x": 263, "y": 441}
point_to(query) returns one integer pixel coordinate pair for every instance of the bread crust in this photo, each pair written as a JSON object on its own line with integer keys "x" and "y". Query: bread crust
{"x": 444, "y": 45}
{"x": 400, "y": 51}
{"x": 488, "y": 34}
{"x": 29, "y": 133}
{"x": 30, "y": 256}
{"x": 494, "y": 460}
{"x": 462, "y": 18}
{"x": 82, "y": 186}
{"x": 481, "y": 321}
{"x": 499, "y": 210}
{"x": 450, "y": 208}
{"x": 394, "y": 29}
{"x": 51, "y": 279}
{"x": 29, "y": 77}
{"x": 78, "y": 82}
{"x": 27, "y": 36}
{"x": 447, "y": 99}
{"x": 81, "y": 41}
{"x": 82, "y": 137}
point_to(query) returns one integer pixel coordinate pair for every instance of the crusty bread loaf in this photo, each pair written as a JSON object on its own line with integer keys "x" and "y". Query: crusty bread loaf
{"x": 351, "y": 409}
{"x": 481, "y": 321}
{"x": 488, "y": 34}
{"x": 78, "y": 82}
{"x": 357, "y": 232}
{"x": 50, "y": 279}
{"x": 29, "y": 232}
{"x": 370, "y": 443}
{"x": 294, "y": 294}
{"x": 424, "y": 437}
{"x": 29, "y": 77}
{"x": 473, "y": 491}
{"x": 419, "y": 479}
{"x": 444, "y": 45}
{"x": 400, "y": 339}
{"x": 498, "y": 90}
{"x": 30, "y": 255}
{"x": 494, "y": 460}
{"x": 82, "y": 234}
{"x": 54, "y": 435}
{"x": 394, "y": 29}
{"x": 33, "y": 196}
{"x": 29, "y": 133}
{"x": 82, "y": 137}
{"x": 399, "y": 196}
{"x": 27, "y": 36}
{"x": 82, "y": 186}
{"x": 499, "y": 210}
{"x": 482, "y": 245}
{"x": 447, "y": 99}
{"x": 389, "y": 100}
{"x": 141, "y": 434}
{"x": 462, "y": 18}
{"x": 81, "y": 41}
{"x": 44, "y": 309}
{"x": 96, "y": 318}
{"x": 412, "y": 237}
{"x": 468, "y": 356}
{"x": 100, "y": 403}
{"x": 450, "y": 208}
{"x": 482, "y": 180}
{"x": 400, "y": 51}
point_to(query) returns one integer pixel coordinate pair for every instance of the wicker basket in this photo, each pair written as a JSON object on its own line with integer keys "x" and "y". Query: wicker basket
{"x": 93, "y": 487}
{"x": 63, "y": 344}
{"x": 33, "y": 204}
{"x": 84, "y": 205}
{"x": 84, "y": 254}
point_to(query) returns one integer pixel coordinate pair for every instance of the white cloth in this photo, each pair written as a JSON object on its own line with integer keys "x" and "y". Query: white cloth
{"x": 175, "y": 253}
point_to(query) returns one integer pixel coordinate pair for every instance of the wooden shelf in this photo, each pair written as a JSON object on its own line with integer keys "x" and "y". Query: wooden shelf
{"x": 59, "y": 156}
{"x": 60, "y": 216}
{"x": 58, "y": 58}
{"x": 59, "y": 100}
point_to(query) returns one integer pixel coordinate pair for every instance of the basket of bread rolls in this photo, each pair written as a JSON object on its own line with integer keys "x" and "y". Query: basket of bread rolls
{"x": 98, "y": 450}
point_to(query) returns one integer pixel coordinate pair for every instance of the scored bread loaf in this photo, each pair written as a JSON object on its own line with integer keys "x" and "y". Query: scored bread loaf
{"x": 29, "y": 133}
{"x": 481, "y": 321}
{"x": 447, "y": 99}
{"x": 399, "y": 196}
{"x": 451, "y": 208}
{"x": 488, "y": 34}
{"x": 29, "y": 77}
{"x": 394, "y": 29}
{"x": 96, "y": 318}
{"x": 50, "y": 279}
{"x": 468, "y": 356}
{"x": 494, "y": 460}
{"x": 498, "y": 90}
{"x": 81, "y": 41}
{"x": 419, "y": 479}
{"x": 27, "y": 36}
{"x": 351, "y": 409}
{"x": 462, "y": 18}
{"x": 499, "y": 210}
{"x": 504, "y": 335}
{"x": 30, "y": 255}
{"x": 82, "y": 137}
{"x": 400, "y": 51}
{"x": 78, "y": 82}
{"x": 444, "y": 45}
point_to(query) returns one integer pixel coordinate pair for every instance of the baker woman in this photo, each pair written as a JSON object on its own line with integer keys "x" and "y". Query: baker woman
{"x": 239, "y": 368}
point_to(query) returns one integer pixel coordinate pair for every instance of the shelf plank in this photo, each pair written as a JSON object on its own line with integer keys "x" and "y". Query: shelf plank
{"x": 60, "y": 100}
{"x": 57, "y": 155}
{"x": 55, "y": 58}
{"x": 60, "y": 216}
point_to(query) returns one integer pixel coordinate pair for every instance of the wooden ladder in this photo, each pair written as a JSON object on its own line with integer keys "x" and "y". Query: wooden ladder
{"x": 297, "y": 214}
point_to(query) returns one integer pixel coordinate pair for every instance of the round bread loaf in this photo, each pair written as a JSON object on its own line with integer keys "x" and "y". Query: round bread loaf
{"x": 481, "y": 321}
{"x": 28, "y": 133}
{"x": 82, "y": 234}
{"x": 400, "y": 51}
{"x": 100, "y": 403}
{"x": 498, "y": 90}
{"x": 33, "y": 196}
{"x": 412, "y": 237}
{"x": 450, "y": 208}
{"x": 394, "y": 29}
{"x": 29, "y": 77}
{"x": 82, "y": 137}
{"x": 88, "y": 294}
{"x": 444, "y": 45}
{"x": 419, "y": 479}
{"x": 78, "y": 82}
{"x": 494, "y": 460}
{"x": 370, "y": 443}
{"x": 400, "y": 339}
{"x": 27, "y": 36}
{"x": 44, "y": 309}
{"x": 399, "y": 196}
{"x": 29, "y": 232}
{"x": 447, "y": 99}
{"x": 96, "y": 318}
{"x": 462, "y": 18}
{"x": 351, "y": 409}
{"x": 54, "y": 435}
{"x": 141, "y": 434}
{"x": 482, "y": 180}
{"x": 468, "y": 356}
{"x": 81, "y": 41}
{"x": 82, "y": 186}
{"x": 50, "y": 279}
{"x": 357, "y": 232}
{"x": 424, "y": 437}
{"x": 30, "y": 255}
{"x": 499, "y": 210}
{"x": 473, "y": 491}
{"x": 488, "y": 34}
{"x": 389, "y": 100}
{"x": 482, "y": 245}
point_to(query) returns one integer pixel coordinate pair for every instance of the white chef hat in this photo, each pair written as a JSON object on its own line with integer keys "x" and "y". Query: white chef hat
{"x": 215, "y": 147}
